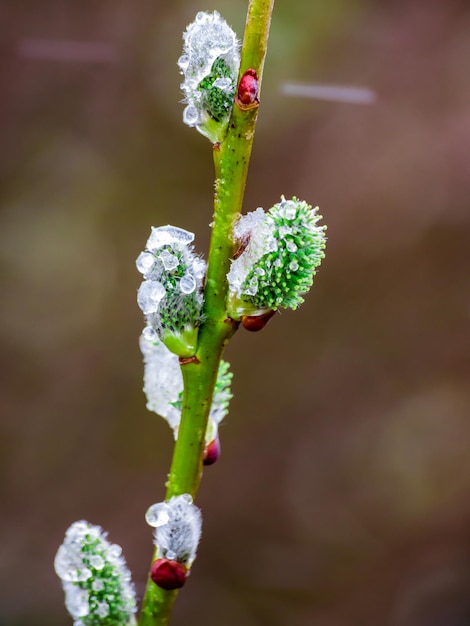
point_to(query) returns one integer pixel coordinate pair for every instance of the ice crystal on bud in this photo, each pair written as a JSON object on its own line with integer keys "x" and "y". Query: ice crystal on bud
{"x": 282, "y": 250}
{"x": 209, "y": 63}
{"x": 163, "y": 386}
{"x": 171, "y": 294}
{"x": 177, "y": 526}
{"x": 95, "y": 578}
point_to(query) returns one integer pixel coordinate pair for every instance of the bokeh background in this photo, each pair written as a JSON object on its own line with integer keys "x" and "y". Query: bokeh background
{"x": 342, "y": 497}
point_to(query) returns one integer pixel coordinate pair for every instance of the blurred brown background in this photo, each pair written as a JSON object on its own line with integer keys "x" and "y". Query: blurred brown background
{"x": 342, "y": 497}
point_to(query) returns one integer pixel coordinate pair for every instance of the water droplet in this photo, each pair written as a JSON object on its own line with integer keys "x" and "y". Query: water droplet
{"x": 260, "y": 271}
{"x": 144, "y": 262}
{"x": 284, "y": 230}
{"x": 201, "y": 17}
{"x": 69, "y": 566}
{"x": 171, "y": 555}
{"x": 157, "y": 515}
{"x": 187, "y": 284}
{"x": 76, "y": 601}
{"x": 291, "y": 246}
{"x": 290, "y": 210}
{"x": 190, "y": 115}
{"x": 225, "y": 46}
{"x": 187, "y": 497}
{"x": 96, "y": 561}
{"x": 183, "y": 61}
{"x": 149, "y": 296}
{"x": 170, "y": 261}
{"x": 102, "y": 609}
{"x": 293, "y": 266}
{"x": 167, "y": 236}
{"x": 223, "y": 83}
{"x": 97, "y": 585}
{"x": 271, "y": 245}
{"x": 149, "y": 333}
{"x": 115, "y": 551}
{"x": 252, "y": 288}
{"x": 61, "y": 563}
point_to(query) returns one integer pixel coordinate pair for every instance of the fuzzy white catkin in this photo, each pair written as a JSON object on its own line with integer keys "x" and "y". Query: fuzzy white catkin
{"x": 163, "y": 386}
{"x": 163, "y": 381}
{"x": 177, "y": 526}
{"x": 253, "y": 228}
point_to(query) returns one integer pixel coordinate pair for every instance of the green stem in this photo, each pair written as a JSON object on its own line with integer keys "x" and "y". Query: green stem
{"x": 231, "y": 160}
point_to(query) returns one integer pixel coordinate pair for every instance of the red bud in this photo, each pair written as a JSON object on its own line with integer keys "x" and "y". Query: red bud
{"x": 254, "y": 323}
{"x": 168, "y": 574}
{"x": 247, "y": 96}
{"x": 211, "y": 451}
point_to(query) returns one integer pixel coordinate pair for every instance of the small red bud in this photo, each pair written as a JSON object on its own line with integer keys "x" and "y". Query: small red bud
{"x": 254, "y": 323}
{"x": 168, "y": 574}
{"x": 211, "y": 452}
{"x": 247, "y": 97}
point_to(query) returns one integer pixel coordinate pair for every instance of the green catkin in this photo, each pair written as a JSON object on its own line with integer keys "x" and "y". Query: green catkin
{"x": 216, "y": 101}
{"x": 283, "y": 275}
